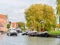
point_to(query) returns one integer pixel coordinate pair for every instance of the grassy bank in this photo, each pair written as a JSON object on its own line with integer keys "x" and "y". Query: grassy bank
{"x": 54, "y": 32}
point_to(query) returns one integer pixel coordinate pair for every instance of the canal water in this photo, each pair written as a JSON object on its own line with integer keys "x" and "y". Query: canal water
{"x": 26, "y": 40}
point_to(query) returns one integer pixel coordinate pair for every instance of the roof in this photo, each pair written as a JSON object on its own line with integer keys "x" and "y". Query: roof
{"x": 3, "y": 16}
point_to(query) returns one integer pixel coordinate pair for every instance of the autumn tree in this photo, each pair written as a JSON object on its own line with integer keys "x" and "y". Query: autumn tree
{"x": 39, "y": 12}
{"x": 58, "y": 1}
{"x": 58, "y": 9}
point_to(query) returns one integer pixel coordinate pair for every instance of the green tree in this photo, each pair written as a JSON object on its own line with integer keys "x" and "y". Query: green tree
{"x": 38, "y": 12}
{"x": 8, "y": 26}
{"x": 21, "y": 25}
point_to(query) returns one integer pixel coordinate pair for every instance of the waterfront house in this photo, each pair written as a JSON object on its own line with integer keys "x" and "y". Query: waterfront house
{"x": 3, "y": 22}
{"x": 14, "y": 25}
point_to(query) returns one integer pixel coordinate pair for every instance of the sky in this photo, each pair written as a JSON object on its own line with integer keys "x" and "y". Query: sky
{"x": 15, "y": 8}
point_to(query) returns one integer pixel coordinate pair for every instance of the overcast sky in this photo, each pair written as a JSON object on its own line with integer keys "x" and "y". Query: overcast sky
{"x": 15, "y": 8}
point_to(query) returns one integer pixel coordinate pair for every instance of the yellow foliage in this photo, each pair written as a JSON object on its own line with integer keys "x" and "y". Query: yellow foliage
{"x": 58, "y": 25}
{"x": 38, "y": 12}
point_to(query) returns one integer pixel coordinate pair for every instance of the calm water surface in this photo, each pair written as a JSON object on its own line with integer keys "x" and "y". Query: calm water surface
{"x": 25, "y": 40}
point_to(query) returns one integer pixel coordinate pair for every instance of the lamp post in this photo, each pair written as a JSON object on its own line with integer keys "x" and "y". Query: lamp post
{"x": 42, "y": 21}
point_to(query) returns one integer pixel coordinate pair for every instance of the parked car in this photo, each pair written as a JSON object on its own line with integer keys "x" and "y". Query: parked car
{"x": 12, "y": 32}
{"x": 18, "y": 30}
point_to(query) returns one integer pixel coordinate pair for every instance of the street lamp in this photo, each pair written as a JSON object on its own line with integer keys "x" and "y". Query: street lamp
{"x": 42, "y": 21}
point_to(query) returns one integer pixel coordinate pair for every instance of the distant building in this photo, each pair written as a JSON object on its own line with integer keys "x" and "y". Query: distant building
{"x": 14, "y": 25}
{"x": 3, "y": 22}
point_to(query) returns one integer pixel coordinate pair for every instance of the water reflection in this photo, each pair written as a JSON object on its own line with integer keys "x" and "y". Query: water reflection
{"x": 25, "y": 40}
{"x": 43, "y": 41}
